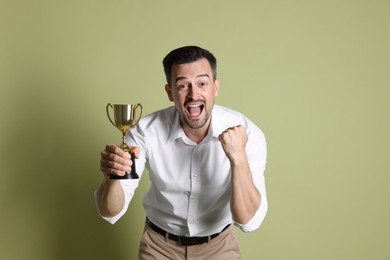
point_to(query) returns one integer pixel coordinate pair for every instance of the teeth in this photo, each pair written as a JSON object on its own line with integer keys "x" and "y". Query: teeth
{"x": 194, "y": 109}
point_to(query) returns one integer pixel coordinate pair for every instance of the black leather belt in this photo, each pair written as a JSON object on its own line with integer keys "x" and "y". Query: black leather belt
{"x": 185, "y": 241}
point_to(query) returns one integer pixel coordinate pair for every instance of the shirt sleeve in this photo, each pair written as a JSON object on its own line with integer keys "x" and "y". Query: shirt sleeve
{"x": 257, "y": 157}
{"x": 128, "y": 187}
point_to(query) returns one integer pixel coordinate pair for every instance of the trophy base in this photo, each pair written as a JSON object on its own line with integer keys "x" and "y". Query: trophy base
{"x": 128, "y": 175}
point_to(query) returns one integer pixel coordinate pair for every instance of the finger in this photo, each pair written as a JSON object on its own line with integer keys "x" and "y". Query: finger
{"x": 112, "y": 157}
{"x": 222, "y": 137}
{"x": 113, "y": 167}
{"x": 233, "y": 134}
{"x": 113, "y": 164}
{"x": 226, "y": 134}
{"x": 241, "y": 129}
{"x": 112, "y": 148}
{"x": 135, "y": 150}
{"x": 110, "y": 171}
{"x": 117, "y": 163}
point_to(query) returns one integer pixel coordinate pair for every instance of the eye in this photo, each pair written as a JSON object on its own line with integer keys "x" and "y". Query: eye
{"x": 203, "y": 84}
{"x": 182, "y": 86}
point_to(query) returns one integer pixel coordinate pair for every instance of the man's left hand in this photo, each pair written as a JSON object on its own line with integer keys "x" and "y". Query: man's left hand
{"x": 233, "y": 141}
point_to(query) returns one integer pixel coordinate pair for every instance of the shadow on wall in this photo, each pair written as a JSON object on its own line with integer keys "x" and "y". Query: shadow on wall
{"x": 52, "y": 171}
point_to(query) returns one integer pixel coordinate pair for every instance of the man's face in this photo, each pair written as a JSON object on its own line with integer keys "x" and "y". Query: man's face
{"x": 193, "y": 90}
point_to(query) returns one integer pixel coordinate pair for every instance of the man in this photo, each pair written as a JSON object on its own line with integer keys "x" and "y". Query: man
{"x": 206, "y": 165}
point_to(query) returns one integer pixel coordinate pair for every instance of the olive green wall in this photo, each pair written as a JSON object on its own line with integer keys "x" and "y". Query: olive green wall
{"x": 314, "y": 75}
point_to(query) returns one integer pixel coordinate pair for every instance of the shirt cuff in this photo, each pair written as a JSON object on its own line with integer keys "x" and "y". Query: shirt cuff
{"x": 255, "y": 222}
{"x": 126, "y": 184}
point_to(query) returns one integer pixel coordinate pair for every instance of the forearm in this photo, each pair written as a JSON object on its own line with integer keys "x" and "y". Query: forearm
{"x": 245, "y": 198}
{"x": 110, "y": 198}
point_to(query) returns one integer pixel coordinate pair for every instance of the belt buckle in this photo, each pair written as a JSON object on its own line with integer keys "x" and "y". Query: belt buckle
{"x": 184, "y": 241}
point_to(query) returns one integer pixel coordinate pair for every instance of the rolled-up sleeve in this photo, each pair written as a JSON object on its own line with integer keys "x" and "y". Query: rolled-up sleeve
{"x": 128, "y": 187}
{"x": 257, "y": 157}
{"x": 258, "y": 218}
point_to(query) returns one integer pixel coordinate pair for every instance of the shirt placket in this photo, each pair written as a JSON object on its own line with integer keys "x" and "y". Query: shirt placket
{"x": 193, "y": 197}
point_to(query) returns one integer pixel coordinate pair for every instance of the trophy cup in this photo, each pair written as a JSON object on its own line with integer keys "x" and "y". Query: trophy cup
{"x": 124, "y": 119}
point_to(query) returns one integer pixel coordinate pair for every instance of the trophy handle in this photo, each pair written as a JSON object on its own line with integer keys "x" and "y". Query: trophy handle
{"x": 140, "y": 113}
{"x": 108, "y": 114}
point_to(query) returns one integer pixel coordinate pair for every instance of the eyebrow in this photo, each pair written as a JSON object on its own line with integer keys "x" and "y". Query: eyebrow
{"x": 198, "y": 76}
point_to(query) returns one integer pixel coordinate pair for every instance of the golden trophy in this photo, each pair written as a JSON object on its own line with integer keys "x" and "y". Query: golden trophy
{"x": 124, "y": 119}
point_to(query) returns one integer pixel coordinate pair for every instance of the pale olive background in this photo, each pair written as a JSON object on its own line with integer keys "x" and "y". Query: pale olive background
{"x": 314, "y": 75}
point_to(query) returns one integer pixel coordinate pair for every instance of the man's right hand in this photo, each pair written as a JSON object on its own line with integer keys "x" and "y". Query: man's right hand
{"x": 115, "y": 161}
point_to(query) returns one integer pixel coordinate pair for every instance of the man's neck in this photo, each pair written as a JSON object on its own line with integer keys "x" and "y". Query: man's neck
{"x": 196, "y": 135}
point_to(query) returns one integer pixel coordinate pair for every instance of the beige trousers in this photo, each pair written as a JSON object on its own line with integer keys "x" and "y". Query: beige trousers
{"x": 155, "y": 246}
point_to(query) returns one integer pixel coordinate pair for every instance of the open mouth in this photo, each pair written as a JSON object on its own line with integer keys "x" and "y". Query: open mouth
{"x": 194, "y": 110}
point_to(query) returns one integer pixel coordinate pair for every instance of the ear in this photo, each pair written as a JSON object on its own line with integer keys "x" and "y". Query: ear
{"x": 216, "y": 85}
{"x": 168, "y": 89}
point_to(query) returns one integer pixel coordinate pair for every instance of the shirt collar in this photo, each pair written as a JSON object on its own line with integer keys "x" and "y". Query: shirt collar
{"x": 176, "y": 130}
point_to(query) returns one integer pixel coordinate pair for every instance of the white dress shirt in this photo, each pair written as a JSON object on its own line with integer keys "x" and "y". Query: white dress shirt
{"x": 190, "y": 183}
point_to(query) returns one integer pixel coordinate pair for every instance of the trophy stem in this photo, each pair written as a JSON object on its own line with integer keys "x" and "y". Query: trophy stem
{"x": 124, "y": 145}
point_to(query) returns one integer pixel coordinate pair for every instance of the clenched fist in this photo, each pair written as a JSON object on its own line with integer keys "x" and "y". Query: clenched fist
{"x": 233, "y": 142}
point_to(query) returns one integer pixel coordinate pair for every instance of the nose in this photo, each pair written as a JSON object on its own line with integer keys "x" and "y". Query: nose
{"x": 192, "y": 92}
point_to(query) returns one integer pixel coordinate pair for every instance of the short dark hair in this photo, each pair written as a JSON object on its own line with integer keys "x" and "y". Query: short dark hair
{"x": 188, "y": 54}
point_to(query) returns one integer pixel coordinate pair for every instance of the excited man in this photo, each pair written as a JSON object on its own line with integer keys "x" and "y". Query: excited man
{"x": 206, "y": 166}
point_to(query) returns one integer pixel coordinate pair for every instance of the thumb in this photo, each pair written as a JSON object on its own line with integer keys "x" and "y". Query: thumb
{"x": 135, "y": 150}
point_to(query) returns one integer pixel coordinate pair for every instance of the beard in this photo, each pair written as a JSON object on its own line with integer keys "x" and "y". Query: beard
{"x": 197, "y": 123}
